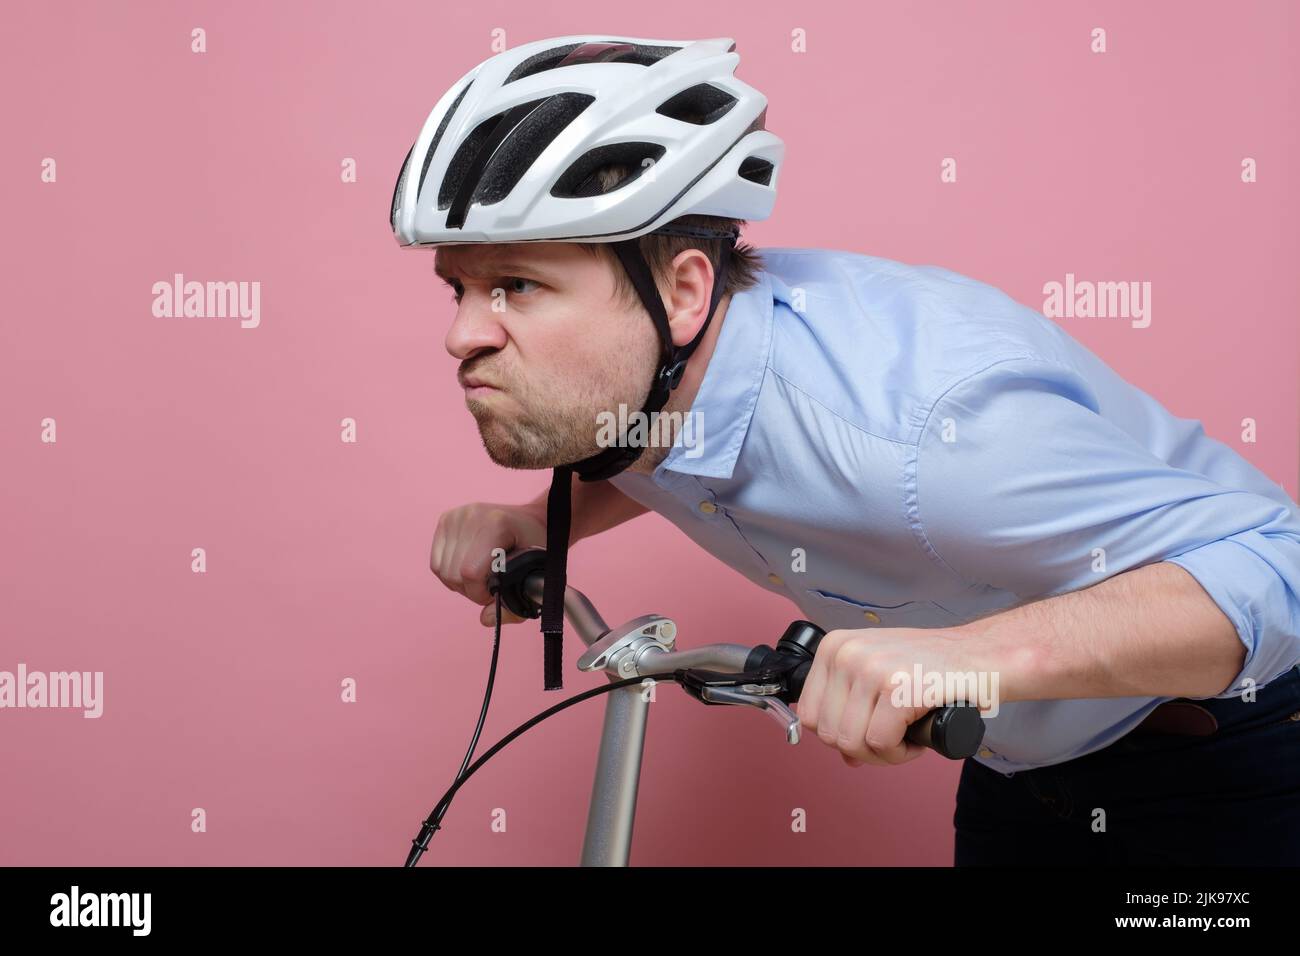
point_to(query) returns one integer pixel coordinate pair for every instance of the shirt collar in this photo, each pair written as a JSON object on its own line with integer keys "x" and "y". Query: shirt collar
{"x": 724, "y": 405}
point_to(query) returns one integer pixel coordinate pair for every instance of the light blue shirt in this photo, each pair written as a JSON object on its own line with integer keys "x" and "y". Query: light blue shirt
{"x": 939, "y": 452}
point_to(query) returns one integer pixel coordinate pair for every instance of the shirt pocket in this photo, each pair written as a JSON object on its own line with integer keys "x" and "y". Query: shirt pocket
{"x": 831, "y": 610}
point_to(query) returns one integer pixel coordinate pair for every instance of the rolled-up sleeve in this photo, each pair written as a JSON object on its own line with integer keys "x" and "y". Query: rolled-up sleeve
{"x": 1021, "y": 482}
{"x": 1253, "y": 578}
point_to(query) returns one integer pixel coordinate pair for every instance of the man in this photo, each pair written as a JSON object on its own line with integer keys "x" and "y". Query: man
{"x": 939, "y": 476}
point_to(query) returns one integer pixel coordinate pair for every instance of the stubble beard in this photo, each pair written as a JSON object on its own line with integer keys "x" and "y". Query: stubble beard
{"x": 539, "y": 434}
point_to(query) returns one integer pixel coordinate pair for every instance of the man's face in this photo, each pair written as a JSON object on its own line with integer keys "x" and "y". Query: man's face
{"x": 547, "y": 351}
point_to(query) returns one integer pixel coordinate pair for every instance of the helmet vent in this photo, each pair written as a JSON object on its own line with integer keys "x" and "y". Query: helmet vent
{"x": 437, "y": 138}
{"x": 397, "y": 190}
{"x": 756, "y": 171}
{"x": 550, "y": 59}
{"x": 582, "y": 178}
{"x": 701, "y": 104}
{"x": 517, "y": 151}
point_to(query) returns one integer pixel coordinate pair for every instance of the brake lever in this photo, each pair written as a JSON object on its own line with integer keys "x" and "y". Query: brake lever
{"x": 759, "y": 689}
{"x": 777, "y": 709}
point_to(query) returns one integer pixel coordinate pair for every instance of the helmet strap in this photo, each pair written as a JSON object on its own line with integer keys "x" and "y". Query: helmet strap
{"x": 610, "y": 461}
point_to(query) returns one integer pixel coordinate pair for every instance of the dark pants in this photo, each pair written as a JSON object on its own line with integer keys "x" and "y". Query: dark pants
{"x": 1230, "y": 798}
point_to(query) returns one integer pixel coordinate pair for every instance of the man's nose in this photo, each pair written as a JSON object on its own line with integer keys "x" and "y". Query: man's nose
{"x": 476, "y": 327}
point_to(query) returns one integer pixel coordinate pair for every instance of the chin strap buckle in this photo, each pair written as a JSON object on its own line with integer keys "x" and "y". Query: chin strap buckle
{"x": 671, "y": 375}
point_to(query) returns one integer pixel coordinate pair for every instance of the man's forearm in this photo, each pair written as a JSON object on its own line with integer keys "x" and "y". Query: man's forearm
{"x": 1149, "y": 632}
{"x": 596, "y": 506}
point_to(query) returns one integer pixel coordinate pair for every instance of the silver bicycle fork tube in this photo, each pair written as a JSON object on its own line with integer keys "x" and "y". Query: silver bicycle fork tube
{"x": 608, "y": 841}
{"x": 618, "y": 772}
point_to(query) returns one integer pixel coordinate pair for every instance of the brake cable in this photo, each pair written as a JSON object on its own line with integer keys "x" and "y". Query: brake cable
{"x": 434, "y": 821}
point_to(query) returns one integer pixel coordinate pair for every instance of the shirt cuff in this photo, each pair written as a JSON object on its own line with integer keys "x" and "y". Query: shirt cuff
{"x": 1241, "y": 575}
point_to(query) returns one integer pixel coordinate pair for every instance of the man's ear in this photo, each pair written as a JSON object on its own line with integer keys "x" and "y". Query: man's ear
{"x": 690, "y": 286}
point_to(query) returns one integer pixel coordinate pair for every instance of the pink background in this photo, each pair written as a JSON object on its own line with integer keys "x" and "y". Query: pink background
{"x": 222, "y": 690}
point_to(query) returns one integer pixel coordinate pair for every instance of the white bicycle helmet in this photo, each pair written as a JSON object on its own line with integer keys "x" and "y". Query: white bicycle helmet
{"x": 512, "y": 151}
{"x": 508, "y": 153}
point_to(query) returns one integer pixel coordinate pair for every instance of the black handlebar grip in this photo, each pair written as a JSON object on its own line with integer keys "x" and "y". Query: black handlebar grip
{"x": 510, "y": 582}
{"x": 954, "y": 731}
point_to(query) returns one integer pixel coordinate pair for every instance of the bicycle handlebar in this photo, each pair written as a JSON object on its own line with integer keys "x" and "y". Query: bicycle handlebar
{"x": 955, "y": 731}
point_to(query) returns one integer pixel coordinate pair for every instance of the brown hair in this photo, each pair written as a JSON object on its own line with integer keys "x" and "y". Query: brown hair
{"x": 660, "y": 250}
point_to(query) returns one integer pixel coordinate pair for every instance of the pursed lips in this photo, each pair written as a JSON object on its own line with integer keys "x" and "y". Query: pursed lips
{"x": 476, "y": 387}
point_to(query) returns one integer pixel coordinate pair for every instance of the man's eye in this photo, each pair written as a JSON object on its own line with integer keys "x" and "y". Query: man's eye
{"x": 515, "y": 285}
{"x": 512, "y": 284}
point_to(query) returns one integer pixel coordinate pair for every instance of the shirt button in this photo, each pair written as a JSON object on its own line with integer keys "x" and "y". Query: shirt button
{"x": 708, "y": 507}
{"x": 985, "y": 752}
{"x": 871, "y": 616}
{"x": 775, "y": 579}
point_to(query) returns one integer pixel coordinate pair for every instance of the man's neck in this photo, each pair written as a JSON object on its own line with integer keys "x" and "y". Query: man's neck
{"x": 683, "y": 396}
